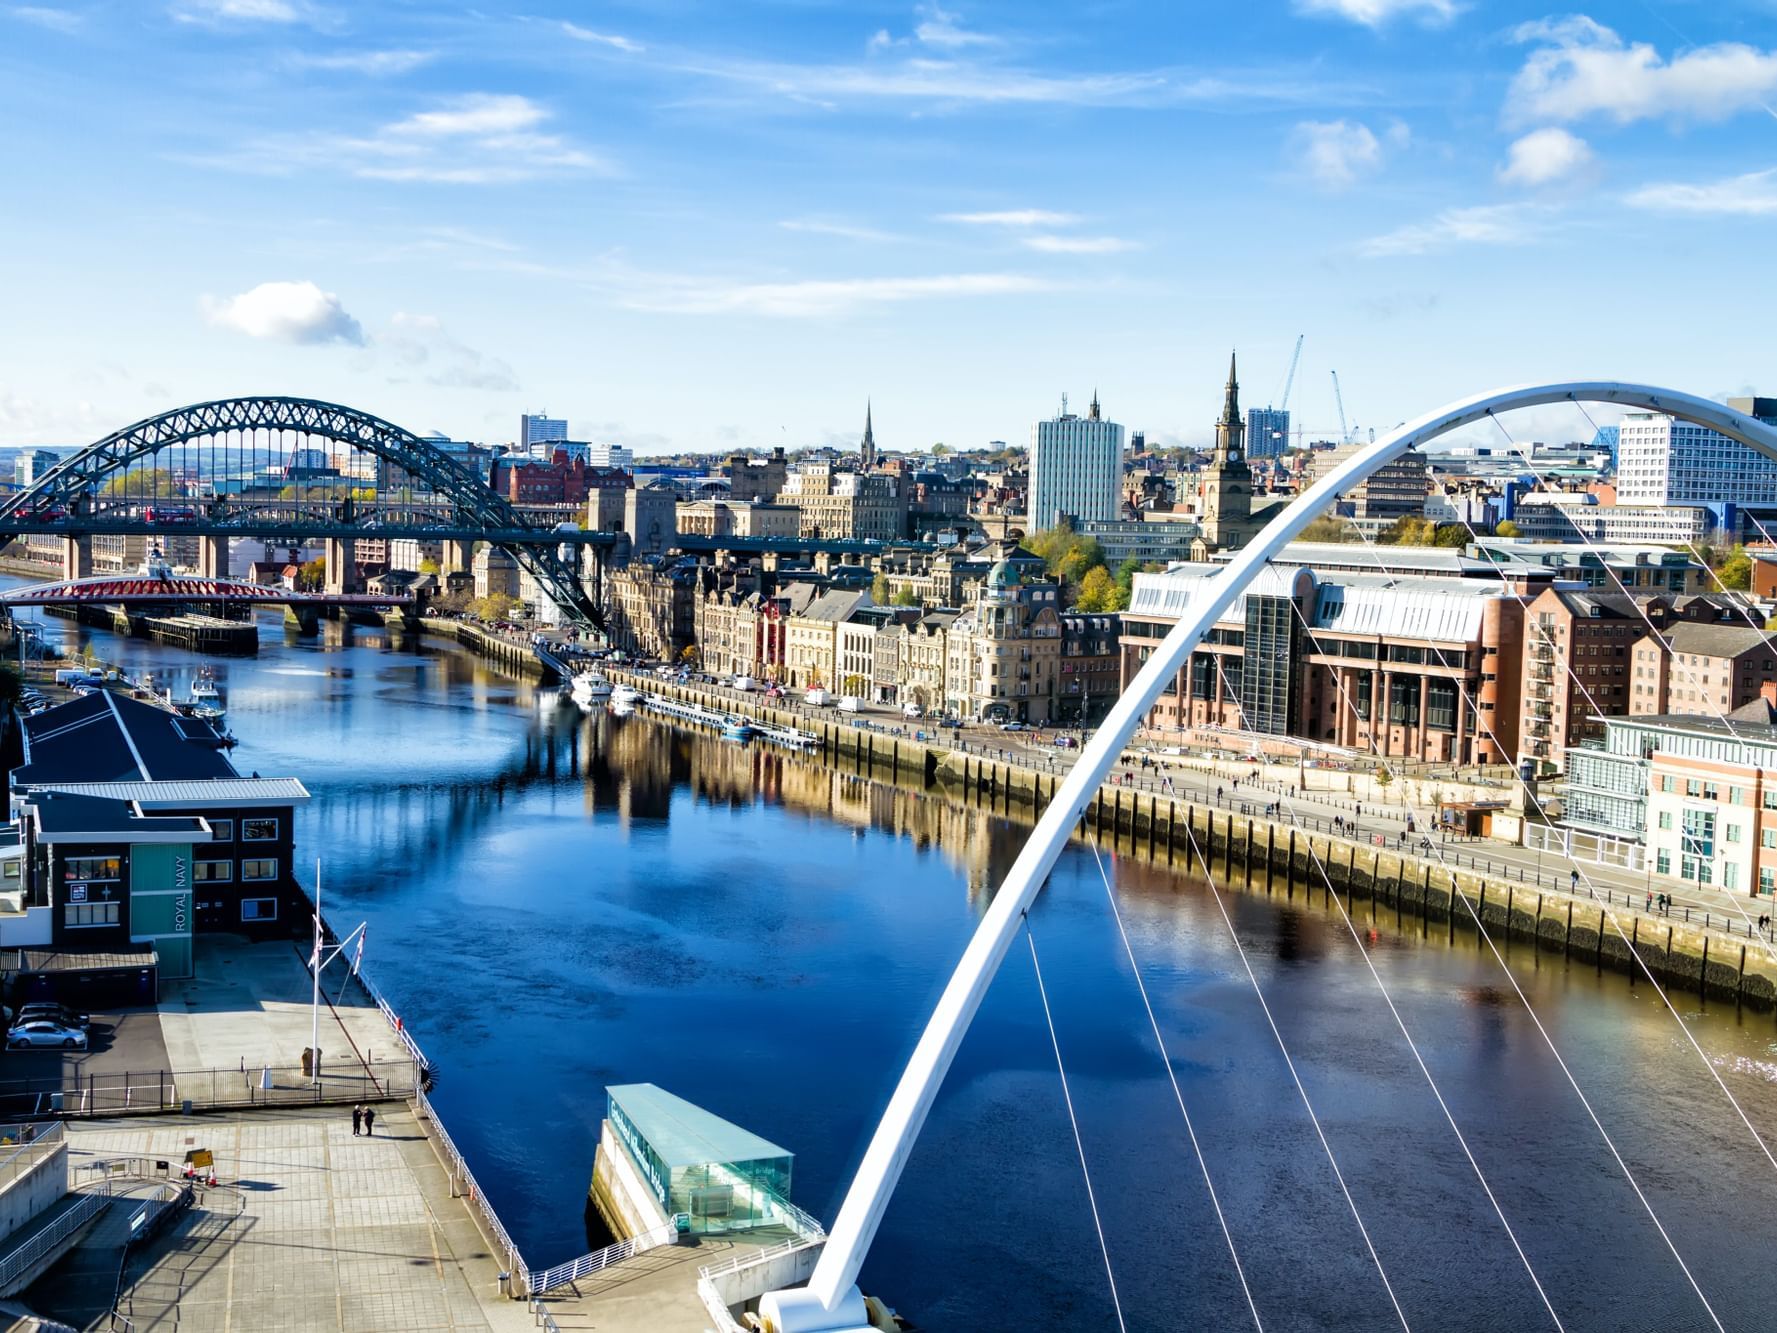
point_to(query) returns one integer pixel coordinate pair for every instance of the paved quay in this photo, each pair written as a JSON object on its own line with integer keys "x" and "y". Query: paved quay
{"x": 309, "y": 1229}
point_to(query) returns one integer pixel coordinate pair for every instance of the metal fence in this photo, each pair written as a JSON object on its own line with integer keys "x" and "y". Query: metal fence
{"x": 24, "y": 1146}
{"x": 463, "y": 1183}
{"x": 15, "y": 1265}
{"x": 79, "y": 1092}
{"x": 667, "y": 1233}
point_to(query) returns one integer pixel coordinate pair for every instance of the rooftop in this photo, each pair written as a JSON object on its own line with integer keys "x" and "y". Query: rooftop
{"x": 1716, "y": 640}
{"x": 106, "y": 736}
{"x": 63, "y": 818}
{"x": 683, "y": 1134}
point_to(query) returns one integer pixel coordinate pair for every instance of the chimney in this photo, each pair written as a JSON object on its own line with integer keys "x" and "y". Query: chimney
{"x": 1767, "y": 691}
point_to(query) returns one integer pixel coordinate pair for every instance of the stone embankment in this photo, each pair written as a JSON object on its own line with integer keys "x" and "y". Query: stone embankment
{"x": 514, "y": 656}
{"x": 1269, "y": 855}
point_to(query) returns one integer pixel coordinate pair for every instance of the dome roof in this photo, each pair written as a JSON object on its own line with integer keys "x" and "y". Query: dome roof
{"x": 1003, "y": 575}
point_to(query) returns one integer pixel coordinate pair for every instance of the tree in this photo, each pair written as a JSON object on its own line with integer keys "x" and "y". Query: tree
{"x": 152, "y": 482}
{"x": 1452, "y": 535}
{"x": 905, "y": 597}
{"x": 430, "y": 566}
{"x": 1736, "y": 570}
{"x": 1507, "y": 528}
{"x": 311, "y": 575}
{"x": 1126, "y": 573}
{"x": 1329, "y": 529}
{"x": 940, "y": 449}
{"x": 879, "y": 589}
{"x": 1098, "y": 591}
{"x": 495, "y": 606}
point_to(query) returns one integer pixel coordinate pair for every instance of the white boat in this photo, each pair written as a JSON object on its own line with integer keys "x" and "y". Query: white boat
{"x": 590, "y": 686}
{"x": 625, "y": 694}
{"x": 203, "y": 689}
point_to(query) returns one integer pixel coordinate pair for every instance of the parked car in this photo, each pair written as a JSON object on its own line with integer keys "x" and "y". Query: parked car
{"x": 1067, "y": 742}
{"x": 912, "y": 710}
{"x": 54, "y": 1012}
{"x": 818, "y": 698}
{"x": 950, "y": 722}
{"x": 42, "y": 1032}
{"x": 1014, "y": 726}
{"x": 848, "y": 703}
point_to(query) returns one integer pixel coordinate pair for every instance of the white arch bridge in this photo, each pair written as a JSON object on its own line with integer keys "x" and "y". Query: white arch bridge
{"x": 831, "y": 1302}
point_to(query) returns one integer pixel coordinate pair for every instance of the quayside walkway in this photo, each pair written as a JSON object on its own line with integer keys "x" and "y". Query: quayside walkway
{"x": 309, "y": 1228}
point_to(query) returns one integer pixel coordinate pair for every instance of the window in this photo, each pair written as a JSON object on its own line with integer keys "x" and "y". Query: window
{"x": 1692, "y": 787}
{"x": 90, "y": 914}
{"x": 1731, "y": 832}
{"x": 259, "y": 830}
{"x": 222, "y": 830}
{"x": 1767, "y": 880}
{"x": 1730, "y": 875}
{"x": 1736, "y": 796}
{"x": 11, "y": 869}
{"x": 1769, "y": 839}
{"x": 1669, "y": 783}
{"x": 1666, "y": 823}
{"x": 92, "y": 867}
{"x": 266, "y": 869}
{"x": 215, "y": 872}
{"x": 1663, "y": 862}
{"x": 259, "y": 909}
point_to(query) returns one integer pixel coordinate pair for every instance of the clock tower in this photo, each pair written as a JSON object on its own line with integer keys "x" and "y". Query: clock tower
{"x": 1225, "y": 493}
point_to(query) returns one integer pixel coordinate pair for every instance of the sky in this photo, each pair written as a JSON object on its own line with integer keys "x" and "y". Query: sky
{"x": 726, "y": 225}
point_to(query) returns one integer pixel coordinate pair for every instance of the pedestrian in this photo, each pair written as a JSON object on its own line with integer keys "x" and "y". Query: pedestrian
{"x": 357, "y": 1120}
{"x": 1650, "y": 902}
{"x": 1218, "y": 793}
{"x": 369, "y": 1119}
{"x": 1573, "y": 879}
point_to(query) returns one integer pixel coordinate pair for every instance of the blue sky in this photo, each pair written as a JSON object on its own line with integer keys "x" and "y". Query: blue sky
{"x": 717, "y": 225}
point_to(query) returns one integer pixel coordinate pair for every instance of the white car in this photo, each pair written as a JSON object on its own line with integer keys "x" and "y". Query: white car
{"x": 43, "y": 1032}
{"x": 912, "y": 710}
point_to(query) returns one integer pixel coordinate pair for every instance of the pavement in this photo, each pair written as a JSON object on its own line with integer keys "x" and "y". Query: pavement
{"x": 309, "y": 1229}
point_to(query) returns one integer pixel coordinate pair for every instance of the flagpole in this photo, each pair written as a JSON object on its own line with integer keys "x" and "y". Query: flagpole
{"x": 315, "y": 1001}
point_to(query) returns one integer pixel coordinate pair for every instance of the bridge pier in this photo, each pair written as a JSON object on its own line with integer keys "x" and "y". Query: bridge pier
{"x": 77, "y": 557}
{"x": 342, "y": 566}
{"x": 304, "y": 619}
{"x": 212, "y": 557}
{"x": 457, "y": 557}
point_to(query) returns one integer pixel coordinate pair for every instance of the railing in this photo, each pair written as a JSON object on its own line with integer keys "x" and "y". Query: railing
{"x": 541, "y": 1317}
{"x": 147, "y": 1220}
{"x": 168, "y": 1089}
{"x": 667, "y": 1233}
{"x": 461, "y": 1174}
{"x": 34, "y": 1142}
{"x": 14, "y": 1265}
{"x": 735, "y": 1263}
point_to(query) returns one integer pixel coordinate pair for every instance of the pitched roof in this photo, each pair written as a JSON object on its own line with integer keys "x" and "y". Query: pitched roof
{"x": 108, "y": 737}
{"x": 1716, "y": 640}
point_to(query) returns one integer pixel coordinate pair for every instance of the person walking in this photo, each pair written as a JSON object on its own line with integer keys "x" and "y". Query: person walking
{"x": 369, "y": 1119}
{"x": 1573, "y": 880}
{"x": 357, "y": 1120}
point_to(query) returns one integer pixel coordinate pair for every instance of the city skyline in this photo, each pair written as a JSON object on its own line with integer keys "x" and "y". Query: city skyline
{"x": 732, "y": 239}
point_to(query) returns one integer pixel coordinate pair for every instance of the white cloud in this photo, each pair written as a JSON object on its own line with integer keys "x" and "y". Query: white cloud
{"x": 1495, "y": 224}
{"x": 292, "y": 312}
{"x": 580, "y": 34}
{"x": 423, "y": 349}
{"x": 1544, "y": 156}
{"x": 844, "y": 230}
{"x": 249, "y": 11}
{"x": 366, "y": 62}
{"x": 1581, "y": 68}
{"x": 1078, "y": 245}
{"x": 817, "y": 297}
{"x": 1336, "y": 154}
{"x": 938, "y": 28}
{"x": 473, "y": 139}
{"x": 57, "y": 20}
{"x": 1017, "y": 217}
{"x": 1375, "y": 13}
{"x": 1751, "y": 195}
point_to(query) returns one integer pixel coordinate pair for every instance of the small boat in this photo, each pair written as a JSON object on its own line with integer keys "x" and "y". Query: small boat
{"x": 737, "y": 729}
{"x": 209, "y": 712}
{"x": 625, "y": 694}
{"x": 590, "y": 686}
{"x": 203, "y": 688}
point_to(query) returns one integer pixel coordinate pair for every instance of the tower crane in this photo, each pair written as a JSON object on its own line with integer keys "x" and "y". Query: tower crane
{"x": 1289, "y": 380}
{"x": 1338, "y": 397}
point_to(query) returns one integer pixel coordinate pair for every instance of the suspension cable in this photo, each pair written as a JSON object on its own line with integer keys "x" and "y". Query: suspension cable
{"x": 1073, "y": 1120}
{"x": 1493, "y": 947}
{"x": 1401, "y": 1023}
{"x": 1295, "y": 1076}
{"x": 1177, "y": 1092}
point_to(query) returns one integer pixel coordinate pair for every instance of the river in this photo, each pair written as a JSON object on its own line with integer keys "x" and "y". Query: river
{"x": 560, "y": 903}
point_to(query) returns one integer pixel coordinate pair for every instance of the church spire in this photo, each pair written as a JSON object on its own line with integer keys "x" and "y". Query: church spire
{"x": 1231, "y": 404}
{"x": 867, "y": 449}
{"x": 1092, "y": 415}
{"x": 1230, "y": 431}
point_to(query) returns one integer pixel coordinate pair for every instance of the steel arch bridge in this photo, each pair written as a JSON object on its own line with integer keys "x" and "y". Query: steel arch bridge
{"x": 238, "y": 434}
{"x": 831, "y": 1303}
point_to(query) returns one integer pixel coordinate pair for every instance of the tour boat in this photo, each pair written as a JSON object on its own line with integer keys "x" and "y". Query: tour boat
{"x": 737, "y": 729}
{"x": 590, "y": 686}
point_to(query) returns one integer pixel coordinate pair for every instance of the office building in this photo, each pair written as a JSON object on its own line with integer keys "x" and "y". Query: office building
{"x": 1661, "y": 461}
{"x": 1076, "y": 468}
{"x": 1267, "y": 431}
{"x": 539, "y": 429}
{"x": 611, "y": 455}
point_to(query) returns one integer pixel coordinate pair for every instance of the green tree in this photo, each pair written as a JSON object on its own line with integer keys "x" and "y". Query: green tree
{"x": 879, "y": 589}
{"x": 1098, "y": 591}
{"x": 1329, "y": 528}
{"x": 940, "y": 449}
{"x": 1126, "y": 573}
{"x": 149, "y": 482}
{"x": 430, "y": 566}
{"x": 1507, "y": 528}
{"x": 1736, "y": 570}
{"x": 1451, "y": 534}
{"x": 905, "y": 597}
{"x": 311, "y": 575}
{"x": 495, "y": 606}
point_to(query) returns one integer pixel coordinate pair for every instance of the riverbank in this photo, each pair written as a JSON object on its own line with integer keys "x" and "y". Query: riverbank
{"x": 1714, "y": 958}
{"x": 517, "y": 657}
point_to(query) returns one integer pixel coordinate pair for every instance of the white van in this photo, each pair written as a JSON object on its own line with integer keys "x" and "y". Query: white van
{"x": 743, "y": 683}
{"x": 848, "y": 704}
{"x": 818, "y": 698}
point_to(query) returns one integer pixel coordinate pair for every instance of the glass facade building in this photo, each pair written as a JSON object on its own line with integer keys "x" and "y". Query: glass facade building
{"x": 723, "y": 1177}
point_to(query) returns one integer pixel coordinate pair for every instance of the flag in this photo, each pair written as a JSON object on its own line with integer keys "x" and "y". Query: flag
{"x": 315, "y": 953}
{"x": 358, "y": 954}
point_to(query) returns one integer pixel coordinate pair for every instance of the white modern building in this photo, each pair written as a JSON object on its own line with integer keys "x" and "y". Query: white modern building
{"x": 1076, "y": 468}
{"x": 1661, "y": 461}
{"x": 611, "y": 455}
{"x": 538, "y": 428}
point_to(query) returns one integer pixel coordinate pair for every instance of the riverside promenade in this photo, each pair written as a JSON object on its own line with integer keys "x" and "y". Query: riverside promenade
{"x": 1253, "y": 835}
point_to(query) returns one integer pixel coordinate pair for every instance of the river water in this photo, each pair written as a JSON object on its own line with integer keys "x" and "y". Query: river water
{"x": 560, "y": 903}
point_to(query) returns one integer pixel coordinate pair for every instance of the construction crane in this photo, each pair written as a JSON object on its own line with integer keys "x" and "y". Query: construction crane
{"x": 1338, "y": 397}
{"x": 1289, "y": 380}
